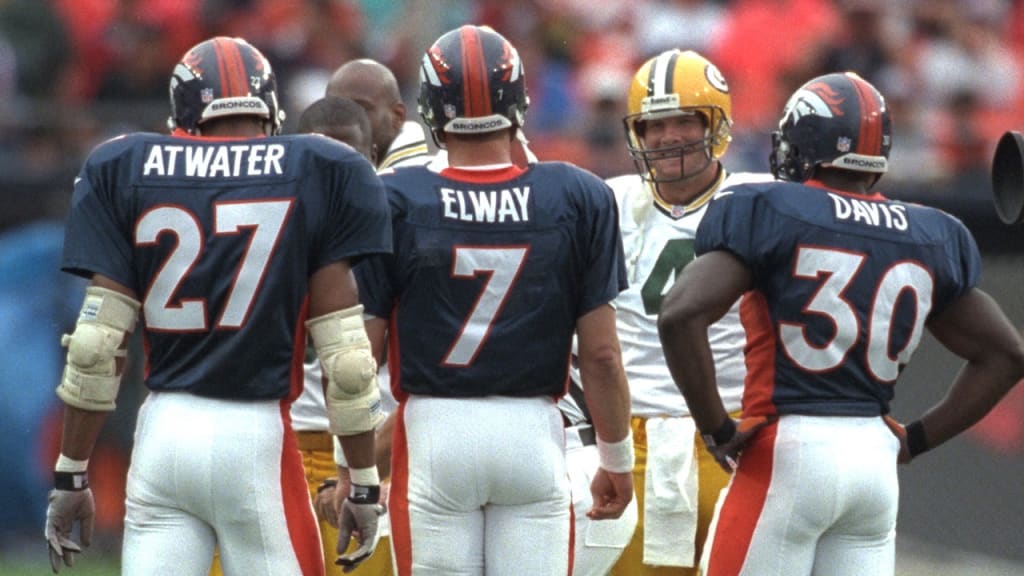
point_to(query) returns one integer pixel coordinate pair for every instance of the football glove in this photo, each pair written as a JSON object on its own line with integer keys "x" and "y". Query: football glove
{"x": 359, "y": 517}
{"x": 726, "y": 443}
{"x": 71, "y": 502}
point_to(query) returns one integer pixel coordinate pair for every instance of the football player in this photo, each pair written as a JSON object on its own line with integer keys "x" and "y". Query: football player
{"x": 397, "y": 141}
{"x": 346, "y": 121}
{"x": 227, "y": 243}
{"x": 343, "y": 120}
{"x": 497, "y": 266}
{"x": 678, "y": 129}
{"x": 842, "y": 285}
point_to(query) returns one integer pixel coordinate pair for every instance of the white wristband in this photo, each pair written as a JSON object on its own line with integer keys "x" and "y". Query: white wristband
{"x": 339, "y": 454}
{"x": 65, "y": 464}
{"x": 364, "y": 476}
{"x": 616, "y": 456}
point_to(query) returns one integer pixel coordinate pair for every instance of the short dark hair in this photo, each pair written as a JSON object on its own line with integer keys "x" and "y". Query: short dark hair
{"x": 333, "y": 111}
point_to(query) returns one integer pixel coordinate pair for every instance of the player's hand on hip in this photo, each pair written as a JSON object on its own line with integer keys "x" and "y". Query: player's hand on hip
{"x": 66, "y": 508}
{"x": 727, "y": 455}
{"x": 900, "y": 432}
{"x": 612, "y": 492}
{"x": 359, "y": 518}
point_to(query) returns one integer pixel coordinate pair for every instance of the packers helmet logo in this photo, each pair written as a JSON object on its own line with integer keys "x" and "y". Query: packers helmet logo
{"x": 715, "y": 78}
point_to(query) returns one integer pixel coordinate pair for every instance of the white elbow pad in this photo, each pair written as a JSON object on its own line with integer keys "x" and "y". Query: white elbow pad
{"x": 90, "y": 380}
{"x": 353, "y": 398}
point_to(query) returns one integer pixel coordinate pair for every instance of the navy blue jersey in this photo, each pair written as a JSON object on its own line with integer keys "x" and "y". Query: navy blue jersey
{"x": 491, "y": 270}
{"x": 843, "y": 285}
{"x": 219, "y": 238}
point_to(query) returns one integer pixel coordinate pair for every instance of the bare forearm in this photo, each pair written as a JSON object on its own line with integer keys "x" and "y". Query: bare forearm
{"x": 607, "y": 396}
{"x": 975, "y": 391}
{"x": 974, "y": 328}
{"x": 708, "y": 287}
{"x": 359, "y": 449}
{"x": 605, "y": 389}
{"x": 81, "y": 429}
{"x": 383, "y": 448}
{"x": 689, "y": 359}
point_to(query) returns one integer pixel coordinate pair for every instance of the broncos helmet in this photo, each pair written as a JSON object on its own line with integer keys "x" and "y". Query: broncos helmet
{"x": 223, "y": 77}
{"x": 671, "y": 83}
{"x": 471, "y": 82}
{"x": 838, "y": 120}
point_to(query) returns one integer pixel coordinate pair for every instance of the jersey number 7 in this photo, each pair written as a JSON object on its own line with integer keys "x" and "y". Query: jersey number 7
{"x": 502, "y": 266}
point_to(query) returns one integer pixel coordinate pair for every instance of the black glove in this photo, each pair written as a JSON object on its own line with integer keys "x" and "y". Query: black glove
{"x": 726, "y": 443}
{"x": 70, "y": 501}
{"x": 359, "y": 516}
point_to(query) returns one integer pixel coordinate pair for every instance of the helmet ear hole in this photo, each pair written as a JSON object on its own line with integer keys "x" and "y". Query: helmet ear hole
{"x": 640, "y": 129}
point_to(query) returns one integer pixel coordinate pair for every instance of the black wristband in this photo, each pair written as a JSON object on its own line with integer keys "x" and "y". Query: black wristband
{"x": 723, "y": 435}
{"x": 328, "y": 483}
{"x": 364, "y": 494}
{"x": 74, "y": 481}
{"x": 916, "y": 441}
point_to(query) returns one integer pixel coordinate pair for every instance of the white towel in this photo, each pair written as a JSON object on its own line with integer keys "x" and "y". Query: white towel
{"x": 670, "y": 495}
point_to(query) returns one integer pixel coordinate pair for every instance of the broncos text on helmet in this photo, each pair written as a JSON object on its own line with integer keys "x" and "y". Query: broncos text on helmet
{"x": 838, "y": 120}
{"x": 471, "y": 82}
{"x": 672, "y": 83}
{"x": 223, "y": 77}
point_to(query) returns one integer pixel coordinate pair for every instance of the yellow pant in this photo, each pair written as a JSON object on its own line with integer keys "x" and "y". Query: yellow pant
{"x": 711, "y": 480}
{"x": 318, "y": 461}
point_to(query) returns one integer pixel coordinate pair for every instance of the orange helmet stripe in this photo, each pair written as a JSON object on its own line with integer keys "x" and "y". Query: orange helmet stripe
{"x": 235, "y": 67}
{"x": 218, "y": 53}
{"x": 869, "y": 141}
{"x": 475, "y": 82}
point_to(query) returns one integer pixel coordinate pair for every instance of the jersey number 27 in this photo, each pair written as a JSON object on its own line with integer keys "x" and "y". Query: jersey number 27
{"x": 264, "y": 221}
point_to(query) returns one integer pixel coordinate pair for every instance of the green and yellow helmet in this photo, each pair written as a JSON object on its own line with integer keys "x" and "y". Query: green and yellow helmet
{"x": 677, "y": 82}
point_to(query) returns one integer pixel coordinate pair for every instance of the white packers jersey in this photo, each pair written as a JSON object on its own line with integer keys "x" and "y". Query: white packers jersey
{"x": 658, "y": 241}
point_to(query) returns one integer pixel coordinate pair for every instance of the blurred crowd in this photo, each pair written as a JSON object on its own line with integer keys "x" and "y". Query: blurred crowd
{"x": 75, "y": 72}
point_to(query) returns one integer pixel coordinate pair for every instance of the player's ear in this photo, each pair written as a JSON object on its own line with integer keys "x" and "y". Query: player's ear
{"x": 398, "y": 115}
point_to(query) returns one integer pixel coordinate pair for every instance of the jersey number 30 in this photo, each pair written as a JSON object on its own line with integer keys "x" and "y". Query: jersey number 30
{"x": 836, "y": 270}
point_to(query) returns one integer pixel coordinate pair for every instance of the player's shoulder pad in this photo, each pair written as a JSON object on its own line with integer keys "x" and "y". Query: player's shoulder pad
{"x": 330, "y": 141}
{"x": 626, "y": 185}
{"x": 733, "y": 178}
{"x": 568, "y": 172}
{"x": 749, "y": 183}
{"x": 118, "y": 146}
{"x": 320, "y": 146}
{"x": 412, "y": 173}
{"x": 933, "y": 212}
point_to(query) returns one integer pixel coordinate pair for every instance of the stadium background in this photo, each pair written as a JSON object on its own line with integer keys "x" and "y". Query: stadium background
{"x": 75, "y": 72}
